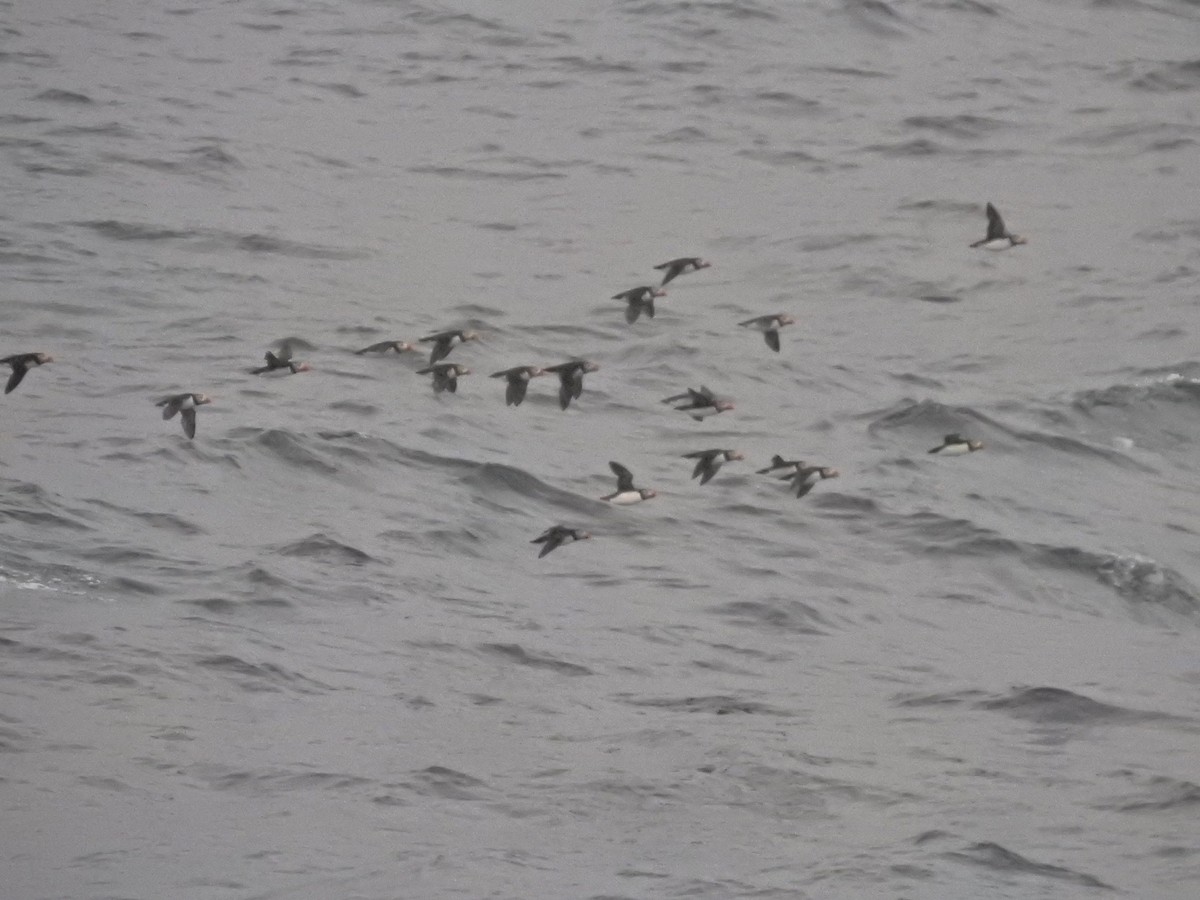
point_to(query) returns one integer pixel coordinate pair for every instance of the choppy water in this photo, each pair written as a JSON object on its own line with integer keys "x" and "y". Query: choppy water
{"x": 312, "y": 653}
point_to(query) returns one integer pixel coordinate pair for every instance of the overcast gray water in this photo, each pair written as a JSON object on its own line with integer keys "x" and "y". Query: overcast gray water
{"x": 312, "y": 653}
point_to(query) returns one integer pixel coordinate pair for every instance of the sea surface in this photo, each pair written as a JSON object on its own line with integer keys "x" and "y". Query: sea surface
{"x": 313, "y": 654}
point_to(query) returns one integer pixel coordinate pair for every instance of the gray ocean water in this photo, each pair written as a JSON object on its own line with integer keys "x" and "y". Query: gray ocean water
{"x": 312, "y": 653}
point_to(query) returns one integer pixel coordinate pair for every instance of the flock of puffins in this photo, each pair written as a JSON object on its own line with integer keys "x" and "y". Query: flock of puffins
{"x": 699, "y": 403}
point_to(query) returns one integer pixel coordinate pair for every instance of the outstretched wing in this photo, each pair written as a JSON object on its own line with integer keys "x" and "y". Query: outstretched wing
{"x": 18, "y": 372}
{"x": 515, "y": 392}
{"x": 772, "y": 339}
{"x": 996, "y": 227}
{"x": 624, "y": 477}
{"x": 188, "y": 417}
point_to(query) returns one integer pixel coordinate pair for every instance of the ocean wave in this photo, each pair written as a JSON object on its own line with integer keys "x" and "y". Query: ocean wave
{"x": 1057, "y": 706}
{"x": 1175, "y": 76}
{"x": 996, "y": 857}
{"x": 322, "y": 548}
{"x": 1158, "y": 793}
{"x": 217, "y": 240}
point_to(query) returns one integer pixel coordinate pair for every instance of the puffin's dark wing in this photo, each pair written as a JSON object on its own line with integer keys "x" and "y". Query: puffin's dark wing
{"x": 772, "y": 338}
{"x": 996, "y": 227}
{"x": 703, "y": 392}
{"x": 648, "y": 306}
{"x": 552, "y": 539}
{"x": 624, "y": 477}
{"x": 515, "y": 392}
{"x": 709, "y": 470}
{"x": 374, "y": 348}
{"x": 577, "y": 383}
{"x": 188, "y": 417}
{"x": 170, "y": 406}
{"x": 18, "y": 372}
{"x": 546, "y": 535}
{"x": 671, "y": 269}
{"x": 633, "y": 310}
{"x": 564, "y": 393}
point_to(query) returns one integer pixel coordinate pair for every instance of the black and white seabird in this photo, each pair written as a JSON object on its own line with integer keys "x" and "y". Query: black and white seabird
{"x": 778, "y": 462}
{"x": 185, "y": 405}
{"x": 518, "y": 382}
{"x": 281, "y": 359}
{"x": 445, "y": 341}
{"x": 570, "y": 377}
{"x": 640, "y": 300}
{"x": 445, "y": 376}
{"x": 956, "y": 445}
{"x": 700, "y": 404}
{"x": 681, "y": 266}
{"x": 385, "y": 346}
{"x": 20, "y": 363}
{"x": 626, "y": 493}
{"x": 804, "y": 477}
{"x": 557, "y": 535}
{"x": 709, "y": 461}
{"x": 769, "y": 326}
{"x": 998, "y": 237}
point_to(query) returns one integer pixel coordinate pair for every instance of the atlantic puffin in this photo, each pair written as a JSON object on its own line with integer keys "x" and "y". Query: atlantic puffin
{"x": 570, "y": 377}
{"x": 956, "y": 445}
{"x": 769, "y": 326}
{"x": 998, "y": 237}
{"x": 557, "y": 535}
{"x": 709, "y": 461}
{"x": 445, "y": 376}
{"x": 518, "y": 382}
{"x": 640, "y": 300}
{"x": 681, "y": 266}
{"x": 20, "y": 363}
{"x": 626, "y": 493}
{"x": 185, "y": 405}
{"x": 445, "y": 341}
